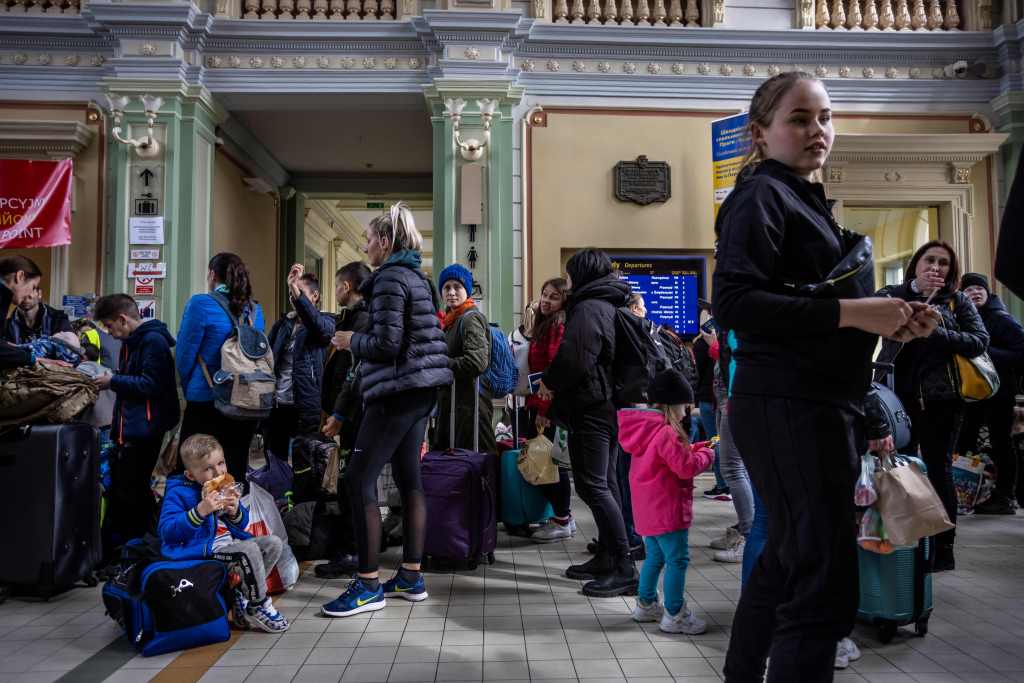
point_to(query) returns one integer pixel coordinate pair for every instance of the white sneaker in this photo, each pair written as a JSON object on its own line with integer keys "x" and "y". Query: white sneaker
{"x": 652, "y": 612}
{"x": 726, "y": 541}
{"x": 850, "y": 648}
{"x": 553, "y": 531}
{"x": 733, "y": 555}
{"x": 683, "y": 622}
{"x": 842, "y": 659}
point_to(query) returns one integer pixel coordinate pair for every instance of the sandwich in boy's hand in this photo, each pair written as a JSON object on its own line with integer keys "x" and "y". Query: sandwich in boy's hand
{"x": 222, "y": 483}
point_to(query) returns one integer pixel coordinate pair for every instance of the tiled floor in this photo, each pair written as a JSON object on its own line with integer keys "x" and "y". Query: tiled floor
{"x": 520, "y": 620}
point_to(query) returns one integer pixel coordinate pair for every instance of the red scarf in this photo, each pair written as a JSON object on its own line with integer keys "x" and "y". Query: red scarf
{"x": 452, "y": 315}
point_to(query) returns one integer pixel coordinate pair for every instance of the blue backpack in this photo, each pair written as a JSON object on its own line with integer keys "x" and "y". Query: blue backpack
{"x": 169, "y": 606}
{"x": 501, "y": 375}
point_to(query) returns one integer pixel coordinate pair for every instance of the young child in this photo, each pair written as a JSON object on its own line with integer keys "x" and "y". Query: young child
{"x": 661, "y": 481}
{"x": 145, "y": 409}
{"x": 188, "y": 526}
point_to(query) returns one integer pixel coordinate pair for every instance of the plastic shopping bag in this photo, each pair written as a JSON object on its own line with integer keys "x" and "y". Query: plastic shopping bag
{"x": 535, "y": 463}
{"x": 864, "y": 494}
{"x": 265, "y": 520}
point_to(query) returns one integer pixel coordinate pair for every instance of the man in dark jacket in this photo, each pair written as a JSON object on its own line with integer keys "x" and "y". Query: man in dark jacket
{"x": 145, "y": 409}
{"x": 343, "y": 406}
{"x": 33, "y": 319}
{"x": 1006, "y": 348}
{"x": 299, "y": 342}
{"x": 18, "y": 279}
{"x": 579, "y": 380}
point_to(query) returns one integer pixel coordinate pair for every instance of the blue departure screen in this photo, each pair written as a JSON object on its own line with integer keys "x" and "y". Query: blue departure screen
{"x": 670, "y": 286}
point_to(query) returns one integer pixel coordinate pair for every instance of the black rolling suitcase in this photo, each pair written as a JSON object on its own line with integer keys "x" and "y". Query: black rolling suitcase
{"x": 51, "y": 501}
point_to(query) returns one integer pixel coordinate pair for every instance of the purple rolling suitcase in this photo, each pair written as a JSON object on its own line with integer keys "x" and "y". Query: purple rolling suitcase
{"x": 461, "y": 493}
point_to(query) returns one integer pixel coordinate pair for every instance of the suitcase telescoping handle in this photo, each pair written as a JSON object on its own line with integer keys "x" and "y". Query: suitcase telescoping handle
{"x": 889, "y": 369}
{"x": 476, "y": 416}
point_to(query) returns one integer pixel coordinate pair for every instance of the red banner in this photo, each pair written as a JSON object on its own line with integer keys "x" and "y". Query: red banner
{"x": 35, "y": 203}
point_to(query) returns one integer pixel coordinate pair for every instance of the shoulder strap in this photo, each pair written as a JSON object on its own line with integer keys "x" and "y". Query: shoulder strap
{"x": 226, "y": 307}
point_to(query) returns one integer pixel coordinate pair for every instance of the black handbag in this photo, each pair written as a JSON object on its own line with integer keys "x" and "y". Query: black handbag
{"x": 852, "y": 278}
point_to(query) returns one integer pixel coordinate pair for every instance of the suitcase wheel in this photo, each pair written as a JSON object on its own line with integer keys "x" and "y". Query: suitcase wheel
{"x": 490, "y": 558}
{"x": 4, "y": 592}
{"x": 886, "y": 632}
{"x": 91, "y": 581}
{"x": 921, "y": 628}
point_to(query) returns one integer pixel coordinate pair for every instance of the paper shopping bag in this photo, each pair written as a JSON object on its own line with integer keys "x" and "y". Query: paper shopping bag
{"x": 909, "y": 506}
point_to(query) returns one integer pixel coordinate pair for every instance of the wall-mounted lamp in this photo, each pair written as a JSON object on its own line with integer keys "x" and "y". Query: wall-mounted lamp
{"x": 147, "y": 147}
{"x": 470, "y": 149}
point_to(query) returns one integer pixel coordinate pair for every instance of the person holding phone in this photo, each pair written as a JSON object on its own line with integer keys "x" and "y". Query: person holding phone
{"x": 704, "y": 347}
{"x": 545, "y": 338}
{"x": 797, "y": 400}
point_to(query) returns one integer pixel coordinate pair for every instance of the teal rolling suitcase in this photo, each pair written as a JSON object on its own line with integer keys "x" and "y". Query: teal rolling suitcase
{"x": 896, "y": 589}
{"x": 521, "y": 503}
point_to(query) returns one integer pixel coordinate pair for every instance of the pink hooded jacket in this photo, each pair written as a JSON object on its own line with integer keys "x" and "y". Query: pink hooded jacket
{"x": 661, "y": 473}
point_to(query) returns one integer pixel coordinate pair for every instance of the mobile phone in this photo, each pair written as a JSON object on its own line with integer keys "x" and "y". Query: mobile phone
{"x": 710, "y": 326}
{"x": 535, "y": 378}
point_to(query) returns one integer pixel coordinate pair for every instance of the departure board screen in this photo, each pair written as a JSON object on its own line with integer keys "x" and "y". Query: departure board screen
{"x": 670, "y": 286}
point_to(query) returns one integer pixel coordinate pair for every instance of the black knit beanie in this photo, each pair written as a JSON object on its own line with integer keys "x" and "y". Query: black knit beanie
{"x": 670, "y": 388}
{"x": 974, "y": 279}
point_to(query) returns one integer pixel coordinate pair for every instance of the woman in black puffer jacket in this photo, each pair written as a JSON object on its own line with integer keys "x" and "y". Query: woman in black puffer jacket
{"x": 404, "y": 360}
{"x": 923, "y": 369}
{"x": 580, "y": 381}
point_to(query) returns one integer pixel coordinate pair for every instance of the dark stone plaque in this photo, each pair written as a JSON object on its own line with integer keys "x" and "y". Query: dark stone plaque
{"x": 643, "y": 182}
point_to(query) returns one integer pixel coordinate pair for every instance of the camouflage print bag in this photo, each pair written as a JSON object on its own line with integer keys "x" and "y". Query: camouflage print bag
{"x": 44, "y": 394}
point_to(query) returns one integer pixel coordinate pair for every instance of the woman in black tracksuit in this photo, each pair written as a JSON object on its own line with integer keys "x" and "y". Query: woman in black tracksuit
{"x": 923, "y": 378}
{"x": 580, "y": 380}
{"x": 802, "y": 371}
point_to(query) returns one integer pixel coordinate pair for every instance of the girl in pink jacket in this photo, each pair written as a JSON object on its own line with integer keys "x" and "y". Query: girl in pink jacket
{"x": 661, "y": 482}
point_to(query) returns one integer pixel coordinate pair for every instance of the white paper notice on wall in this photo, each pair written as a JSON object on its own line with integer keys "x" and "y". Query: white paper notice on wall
{"x": 147, "y": 308}
{"x": 148, "y": 270}
{"x": 145, "y": 286}
{"x": 145, "y": 254}
{"x": 146, "y": 230}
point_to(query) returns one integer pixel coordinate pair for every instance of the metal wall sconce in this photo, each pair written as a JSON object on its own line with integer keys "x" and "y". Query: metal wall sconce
{"x": 471, "y": 149}
{"x": 147, "y": 147}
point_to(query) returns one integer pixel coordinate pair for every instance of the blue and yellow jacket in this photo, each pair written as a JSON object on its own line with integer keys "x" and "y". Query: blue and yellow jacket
{"x": 184, "y": 533}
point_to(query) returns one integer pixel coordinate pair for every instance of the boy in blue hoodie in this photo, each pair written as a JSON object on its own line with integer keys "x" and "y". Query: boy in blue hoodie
{"x": 145, "y": 409}
{"x": 188, "y": 531}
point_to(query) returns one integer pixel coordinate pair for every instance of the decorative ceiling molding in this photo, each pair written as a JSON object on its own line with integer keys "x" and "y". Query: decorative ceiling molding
{"x": 916, "y": 148}
{"x": 48, "y": 138}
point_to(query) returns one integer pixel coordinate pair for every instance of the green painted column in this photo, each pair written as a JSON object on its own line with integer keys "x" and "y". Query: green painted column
{"x": 291, "y": 237}
{"x": 494, "y": 242}
{"x": 444, "y": 179}
{"x": 501, "y": 276}
{"x": 182, "y": 186}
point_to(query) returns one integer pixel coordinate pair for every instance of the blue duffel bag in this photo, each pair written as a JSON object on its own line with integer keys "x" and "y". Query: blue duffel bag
{"x": 168, "y": 606}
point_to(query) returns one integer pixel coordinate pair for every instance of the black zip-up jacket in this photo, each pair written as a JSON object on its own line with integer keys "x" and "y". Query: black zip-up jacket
{"x": 10, "y": 355}
{"x": 1006, "y": 343}
{"x": 309, "y": 352}
{"x": 923, "y": 366}
{"x": 704, "y": 391}
{"x": 147, "y": 398}
{"x": 49, "y": 322}
{"x": 580, "y": 374}
{"x": 775, "y": 230}
{"x": 354, "y": 318}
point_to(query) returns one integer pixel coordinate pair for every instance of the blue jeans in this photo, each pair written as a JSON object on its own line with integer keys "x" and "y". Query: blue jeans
{"x": 756, "y": 539}
{"x": 710, "y": 429}
{"x": 735, "y": 474}
{"x": 627, "y": 498}
{"x": 671, "y": 551}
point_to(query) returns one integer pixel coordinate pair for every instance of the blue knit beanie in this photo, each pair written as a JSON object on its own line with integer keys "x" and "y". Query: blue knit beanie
{"x": 459, "y": 273}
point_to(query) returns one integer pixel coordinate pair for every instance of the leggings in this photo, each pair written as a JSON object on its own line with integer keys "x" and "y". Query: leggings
{"x": 936, "y": 430}
{"x": 392, "y": 431}
{"x": 672, "y": 552}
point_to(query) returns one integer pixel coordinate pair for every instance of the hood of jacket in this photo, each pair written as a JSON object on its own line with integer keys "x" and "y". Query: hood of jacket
{"x": 993, "y": 305}
{"x": 608, "y": 288}
{"x": 180, "y": 481}
{"x": 641, "y": 429}
{"x": 147, "y": 328}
